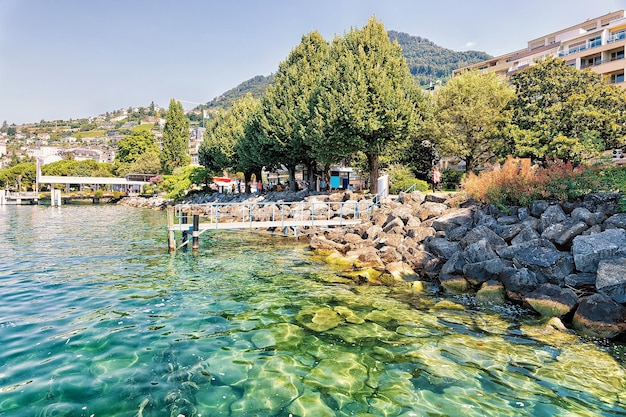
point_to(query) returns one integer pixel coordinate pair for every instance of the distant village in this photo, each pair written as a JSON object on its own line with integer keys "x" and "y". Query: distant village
{"x": 49, "y": 142}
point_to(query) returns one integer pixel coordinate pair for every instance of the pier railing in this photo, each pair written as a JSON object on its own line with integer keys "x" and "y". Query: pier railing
{"x": 285, "y": 216}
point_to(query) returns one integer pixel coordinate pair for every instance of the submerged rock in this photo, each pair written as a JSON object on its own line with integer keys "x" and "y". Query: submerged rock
{"x": 599, "y": 316}
{"x": 550, "y": 300}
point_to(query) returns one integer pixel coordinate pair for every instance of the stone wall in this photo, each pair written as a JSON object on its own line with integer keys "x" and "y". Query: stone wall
{"x": 562, "y": 260}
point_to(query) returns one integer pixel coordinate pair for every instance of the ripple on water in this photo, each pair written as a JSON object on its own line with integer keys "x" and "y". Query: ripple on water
{"x": 100, "y": 320}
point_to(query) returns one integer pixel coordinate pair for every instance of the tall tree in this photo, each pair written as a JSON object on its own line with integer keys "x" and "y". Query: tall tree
{"x": 562, "y": 112}
{"x": 367, "y": 100}
{"x": 224, "y": 130}
{"x": 472, "y": 117}
{"x": 287, "y": 104}
{"x": 175, "y": 152}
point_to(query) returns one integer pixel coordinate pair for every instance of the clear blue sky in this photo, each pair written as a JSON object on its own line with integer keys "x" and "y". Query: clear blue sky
{"x": 79, "y": 58}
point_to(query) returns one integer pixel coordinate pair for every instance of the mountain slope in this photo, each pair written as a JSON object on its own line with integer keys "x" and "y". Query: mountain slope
{"x": 427, "y": 61}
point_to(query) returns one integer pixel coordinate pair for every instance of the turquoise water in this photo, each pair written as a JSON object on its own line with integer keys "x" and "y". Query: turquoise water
{"x": 97, "y": 319}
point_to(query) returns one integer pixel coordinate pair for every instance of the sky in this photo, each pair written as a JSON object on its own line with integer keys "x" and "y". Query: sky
{"x": 71, "y": 59}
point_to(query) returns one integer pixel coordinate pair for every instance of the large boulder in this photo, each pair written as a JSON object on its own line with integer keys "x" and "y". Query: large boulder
{"x": 582, "y": 214}
{"x": 611, "y": 279}
{"x": 479, "y": 272}
{"x": 589, "y": 250}
{"x": 616, "y": 221}
{"x": 542, "y": 258}
{"x": 599, "y": 316}
{"x": 550, "y": 300}
{"x": 482, "y": 232}
{"x": 562, "y": 234}
{"x": 401, "y": 272}
{"x": 441, "y": 247}
{"x": 518, "y": 282}
{"x": 429, "y": 210}
{"x": 604, "y": 203}
{"x": 552, "y": 215}
{"x": 454, "y": 219}
{"x": 491, "y": 292}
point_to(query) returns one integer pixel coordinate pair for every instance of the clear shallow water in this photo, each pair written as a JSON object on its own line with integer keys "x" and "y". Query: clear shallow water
{"x": 97, "y": 319}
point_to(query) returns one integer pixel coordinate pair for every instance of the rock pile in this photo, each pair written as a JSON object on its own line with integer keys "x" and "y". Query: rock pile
{"x": 563, "y": 260}
{"x": 153, "y": 203}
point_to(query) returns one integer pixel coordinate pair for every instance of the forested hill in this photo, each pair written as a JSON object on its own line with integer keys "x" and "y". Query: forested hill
{"x": 427, "y": 61}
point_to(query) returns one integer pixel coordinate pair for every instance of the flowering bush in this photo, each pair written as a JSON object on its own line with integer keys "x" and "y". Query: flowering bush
{"x": 517, "y": 183}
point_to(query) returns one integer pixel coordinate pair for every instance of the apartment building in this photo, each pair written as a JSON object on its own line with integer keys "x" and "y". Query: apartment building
{"x": 597, "y": 44}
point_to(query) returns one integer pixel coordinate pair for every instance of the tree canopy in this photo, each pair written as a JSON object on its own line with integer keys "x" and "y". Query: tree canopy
{"x": 561, "y": 112}
{"x": 175, "y": 151}
{"x": 367, "y": 99}
{"x": 471, "y": 117}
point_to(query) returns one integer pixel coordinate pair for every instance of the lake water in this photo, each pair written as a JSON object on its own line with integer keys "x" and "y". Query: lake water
{"x": 98, "y": 319}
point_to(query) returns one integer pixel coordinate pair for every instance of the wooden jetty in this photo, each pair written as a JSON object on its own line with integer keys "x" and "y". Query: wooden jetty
{"x": 287, "y": 217}
{"x": 18, "y": 198}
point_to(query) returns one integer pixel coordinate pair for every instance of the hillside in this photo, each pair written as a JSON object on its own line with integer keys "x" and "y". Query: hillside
{"x": 427, "y": 61}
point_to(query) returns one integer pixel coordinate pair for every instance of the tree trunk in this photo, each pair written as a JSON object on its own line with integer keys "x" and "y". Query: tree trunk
{"x": 292, "y": 178}
{"x": 247, "y": 178}
{"x": 312, "y": 180}
{"x": 373, "y": 163}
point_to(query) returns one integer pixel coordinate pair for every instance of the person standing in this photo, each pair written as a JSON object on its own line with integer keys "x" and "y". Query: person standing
{"x": 436, "y": 178}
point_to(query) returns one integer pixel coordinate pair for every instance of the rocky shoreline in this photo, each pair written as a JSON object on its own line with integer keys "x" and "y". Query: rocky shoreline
{"x": 566, "y": 261}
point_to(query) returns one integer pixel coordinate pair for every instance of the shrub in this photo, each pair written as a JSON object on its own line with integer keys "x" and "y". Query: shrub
{"x": 451, "y": 179}
{"x": 408, "y": 183}
{"x": 517, "y": 183}
{"x": 98, "y": 193}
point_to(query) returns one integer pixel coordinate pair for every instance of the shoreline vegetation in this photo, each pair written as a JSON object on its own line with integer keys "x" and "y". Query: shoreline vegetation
{"x": 565, "y": 261}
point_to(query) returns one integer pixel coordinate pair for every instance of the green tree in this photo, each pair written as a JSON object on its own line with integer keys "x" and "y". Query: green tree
{"x": 472, "y": 117}
{"x": 223, "y": 131}
{"x": 131, "y": 147}
{"x": 287, "y": 107}
{"x": 367, "y": 100}
{"x": 175, "y": 152}
{"x": 561, "y": 112}
{"x": 21, "y": 175}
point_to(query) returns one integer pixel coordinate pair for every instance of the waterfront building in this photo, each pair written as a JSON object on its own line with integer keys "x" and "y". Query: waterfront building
{"x": 597, "y": 44}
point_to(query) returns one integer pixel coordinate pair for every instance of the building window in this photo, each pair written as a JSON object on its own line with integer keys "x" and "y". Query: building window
{"x": 616, "y": 78}
{"x": 615, "y": 55}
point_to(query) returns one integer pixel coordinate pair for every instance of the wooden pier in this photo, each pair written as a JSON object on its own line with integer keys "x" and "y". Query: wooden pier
{"x": 287, "y": 217}
{"x": 18, "y": 198}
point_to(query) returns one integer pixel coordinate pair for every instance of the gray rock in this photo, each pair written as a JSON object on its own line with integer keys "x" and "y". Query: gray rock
{"x": 518, "y": 282}
{"x": 458, "y": 233}
{"x": 539, "y": 207}
{"x": 605, "y": 203}
{"x": 552, "y": 215}
{"x": 441, "y": 247}
{"x": 437, "y": 197}
{"x": 479, "y": 272}
{"x": 542, "y": 258}
{"x": 454, "y": 219}
{"x": 523, "y": 213}
{"x": 599, "y": 316}
{"x": 584, "y": 215}
{"x": 612, "y": 278}
{"x": 552, "y": 301}
{"x": 454, "y": 266}
{"x": 507, "y": 220}
{"x": 372, "y": 232}
{"x": 525, "y": 235}
{"x": 509, "y": 232}
{"x": 581, "y": 280}
{"x": 563, "y": 233}
{"x": 589, "y": 250}
{"x": 482, "y": 232}
{"x": 616, "y": 221}
{"x": 479, "y": 251}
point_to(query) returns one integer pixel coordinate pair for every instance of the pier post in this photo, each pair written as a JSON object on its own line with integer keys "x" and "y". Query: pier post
{"x": 196, "y": 232}
{"x": 185, "y": 237}
{"x": 171, "y": 237}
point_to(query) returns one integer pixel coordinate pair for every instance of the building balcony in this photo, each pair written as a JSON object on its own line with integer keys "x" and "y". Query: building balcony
{"x": 616, "y": 36}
